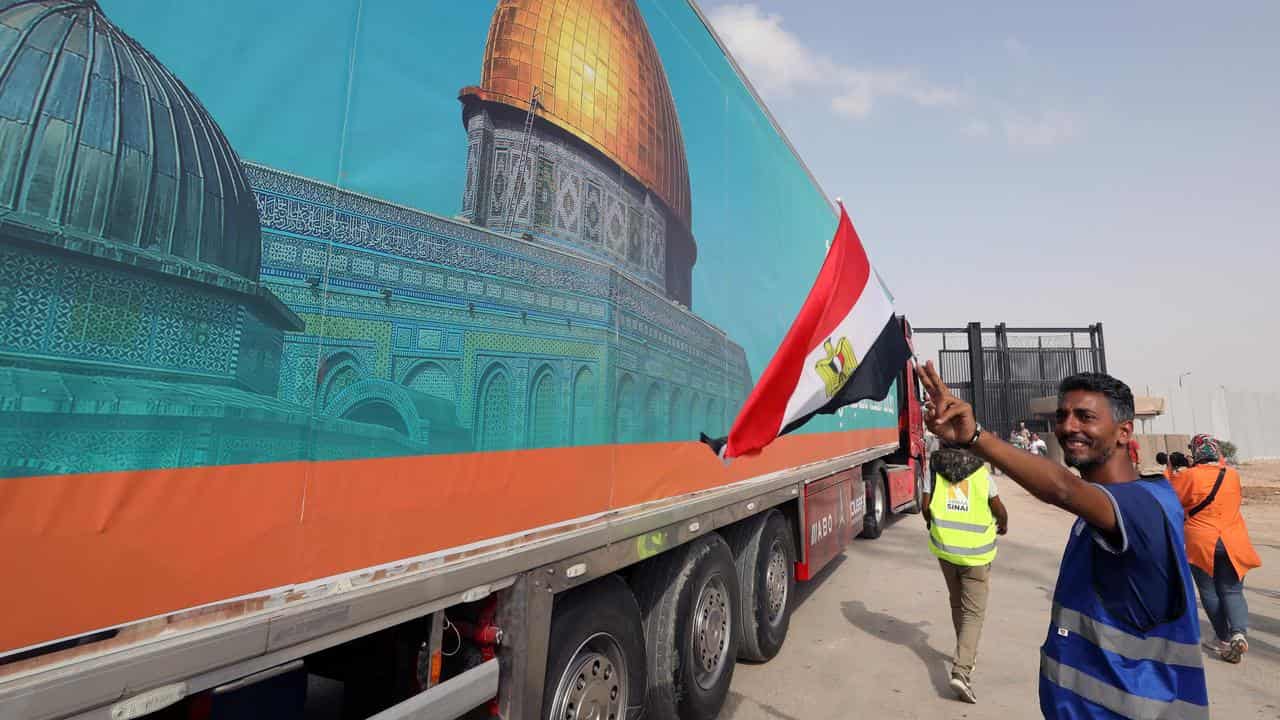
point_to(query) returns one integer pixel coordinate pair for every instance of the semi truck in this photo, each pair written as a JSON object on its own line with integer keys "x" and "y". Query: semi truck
{"x": 372, "y": 342}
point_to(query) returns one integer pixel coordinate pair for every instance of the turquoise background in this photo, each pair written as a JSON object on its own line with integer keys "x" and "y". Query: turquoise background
{"x": 415, "y": 331}
{"x": 760, "y": 223}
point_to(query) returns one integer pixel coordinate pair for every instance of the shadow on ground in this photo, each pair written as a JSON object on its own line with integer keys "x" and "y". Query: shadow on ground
{"x": 736, "y": 700}
{"x": 909, "y": 635}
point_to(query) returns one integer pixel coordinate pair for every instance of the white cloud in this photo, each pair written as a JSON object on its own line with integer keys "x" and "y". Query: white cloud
{"x": 1017, "y": 49}
{"x": 779, "y": 63}
{"x": 1048, "y": 128}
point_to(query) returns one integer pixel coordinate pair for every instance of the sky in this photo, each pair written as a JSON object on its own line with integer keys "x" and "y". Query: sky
{"x": 1061, "y": 164}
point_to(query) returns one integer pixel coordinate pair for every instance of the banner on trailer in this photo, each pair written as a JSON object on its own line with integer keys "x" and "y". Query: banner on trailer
{"x": 291, "y": 290}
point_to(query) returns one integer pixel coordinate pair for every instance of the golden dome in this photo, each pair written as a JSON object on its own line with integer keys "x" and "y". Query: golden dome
{"x": 599, "y": 78}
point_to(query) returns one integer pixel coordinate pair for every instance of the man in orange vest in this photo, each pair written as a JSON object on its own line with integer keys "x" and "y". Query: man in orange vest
{"x": 1218, "y": 546}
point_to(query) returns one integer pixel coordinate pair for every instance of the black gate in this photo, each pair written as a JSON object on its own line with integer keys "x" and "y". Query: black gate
{"x": 1000, "y": 370}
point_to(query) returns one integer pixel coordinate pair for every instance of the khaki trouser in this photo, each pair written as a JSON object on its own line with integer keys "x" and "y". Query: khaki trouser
{"x": 968, "y": 589}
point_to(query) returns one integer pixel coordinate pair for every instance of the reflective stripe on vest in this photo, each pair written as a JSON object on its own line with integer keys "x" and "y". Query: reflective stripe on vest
{"x": 967, "y": 552}
{"x": 1115, "y": 640}
{"x": 1114, "y": 699}
{"x": 962, "y": 528}
{"x": 1094, "y": 657}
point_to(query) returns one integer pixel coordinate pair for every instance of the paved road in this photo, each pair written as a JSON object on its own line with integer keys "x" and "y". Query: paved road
{"x": 872, "y": 637}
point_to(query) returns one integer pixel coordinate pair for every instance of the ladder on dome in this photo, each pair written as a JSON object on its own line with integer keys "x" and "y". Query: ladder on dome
{"x": 525, "y": 160}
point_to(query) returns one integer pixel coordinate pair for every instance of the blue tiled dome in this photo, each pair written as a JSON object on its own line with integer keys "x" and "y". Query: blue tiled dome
{"x": 101, "y": 145}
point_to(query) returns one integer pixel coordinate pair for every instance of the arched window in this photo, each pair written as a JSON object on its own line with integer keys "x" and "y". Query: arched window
{"x": 493, "y": 416}
{"x": 341, "y": 379}
{"x": 691, "y": 430}
{"x": 697, "y": 416}
{"x": 715, "y": 417}
{"x": 432, "y": 379}
{"x": 627, "y": 418}
{"x": 544, "y": 411}
{"x": 584, "y": 408}
{"x": 654, "y": 414}
{"x": 678, "y": 425}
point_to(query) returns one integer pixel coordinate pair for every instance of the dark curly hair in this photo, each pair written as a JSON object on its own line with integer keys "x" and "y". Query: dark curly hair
{"x": 1117, "y": 393}
{"x": 954, "y": 464}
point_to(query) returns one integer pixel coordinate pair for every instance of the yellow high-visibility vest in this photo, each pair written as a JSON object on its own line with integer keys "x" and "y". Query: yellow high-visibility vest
{"x": 963, "y": 531}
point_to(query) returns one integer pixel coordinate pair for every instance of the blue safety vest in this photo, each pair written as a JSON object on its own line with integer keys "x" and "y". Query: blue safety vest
{"x": 1096, "y": 665}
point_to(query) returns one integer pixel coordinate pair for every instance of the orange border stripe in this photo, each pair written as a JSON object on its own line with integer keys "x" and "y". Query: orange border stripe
{"x": 90, "y": 551}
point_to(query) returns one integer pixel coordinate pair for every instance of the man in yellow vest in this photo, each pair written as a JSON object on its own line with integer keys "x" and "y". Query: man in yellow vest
{"x": 964, "y": 514}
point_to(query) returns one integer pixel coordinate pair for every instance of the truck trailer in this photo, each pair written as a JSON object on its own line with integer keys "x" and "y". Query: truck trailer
{"x": 373, "y": 342}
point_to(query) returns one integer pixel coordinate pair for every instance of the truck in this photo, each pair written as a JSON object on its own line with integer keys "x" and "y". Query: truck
{"x": 304, "y": 383}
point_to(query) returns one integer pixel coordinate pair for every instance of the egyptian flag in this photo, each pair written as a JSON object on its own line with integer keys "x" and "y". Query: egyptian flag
{"x": 846, "y": 345}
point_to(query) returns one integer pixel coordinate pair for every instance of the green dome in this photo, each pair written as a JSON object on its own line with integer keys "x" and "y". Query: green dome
{"x": 102, "y": 147}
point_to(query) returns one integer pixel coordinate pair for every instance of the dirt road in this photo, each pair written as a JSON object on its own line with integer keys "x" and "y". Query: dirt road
{"x": 873, "y": 637}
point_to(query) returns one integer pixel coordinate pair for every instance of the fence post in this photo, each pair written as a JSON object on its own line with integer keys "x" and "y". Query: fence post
{"x": 976, "y": 374}
{"x": 1004, "y": 364}
{"x": 1101, "y": 349}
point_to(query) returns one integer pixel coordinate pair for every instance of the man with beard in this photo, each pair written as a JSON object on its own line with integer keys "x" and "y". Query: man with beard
{"x": 1123, "y": 638}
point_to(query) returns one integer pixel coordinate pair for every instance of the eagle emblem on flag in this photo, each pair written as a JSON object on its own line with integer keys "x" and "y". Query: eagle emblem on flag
{"x": 837, "y": 366}
{"x": 814, "y": 371}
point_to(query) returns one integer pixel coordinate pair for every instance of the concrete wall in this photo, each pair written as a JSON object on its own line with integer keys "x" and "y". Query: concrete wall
{"x": 1149, "y": 445}
{"x": 1245, "y": 417}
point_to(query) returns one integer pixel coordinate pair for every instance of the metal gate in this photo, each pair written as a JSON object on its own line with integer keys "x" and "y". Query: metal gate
{"x": 1013, "y": 366}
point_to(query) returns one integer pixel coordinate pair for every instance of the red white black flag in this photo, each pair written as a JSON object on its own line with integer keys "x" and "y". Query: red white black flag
{"x": 846, "y": 345}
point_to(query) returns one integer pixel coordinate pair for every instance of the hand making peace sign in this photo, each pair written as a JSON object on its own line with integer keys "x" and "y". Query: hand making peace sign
{"x": 946, "y": 415}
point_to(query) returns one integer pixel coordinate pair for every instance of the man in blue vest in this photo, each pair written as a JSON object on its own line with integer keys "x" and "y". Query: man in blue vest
{"x": 964, "y": 513}
{"x": 1124, "y": 637}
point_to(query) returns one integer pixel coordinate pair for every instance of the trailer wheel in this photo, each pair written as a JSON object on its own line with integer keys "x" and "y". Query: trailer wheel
{"x": 595, "y": 659}
{"x": 877, "y": 502}
{"x": 765, "y": 553}
{"x": 689, "y": 604}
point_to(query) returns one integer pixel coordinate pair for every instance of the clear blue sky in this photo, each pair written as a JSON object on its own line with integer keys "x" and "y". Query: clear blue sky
{"x": 1050, "y": 163}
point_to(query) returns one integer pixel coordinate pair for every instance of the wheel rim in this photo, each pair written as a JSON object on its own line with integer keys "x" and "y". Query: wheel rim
{"x": 594, "y": 683}
{"x": 775, "y": 583}
{"x": 710, "y": 637}
{"x": 878, "y": 503}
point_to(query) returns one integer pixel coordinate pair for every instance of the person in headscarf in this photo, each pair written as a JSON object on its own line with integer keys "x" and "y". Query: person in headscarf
{"x": 1218, "y": 546}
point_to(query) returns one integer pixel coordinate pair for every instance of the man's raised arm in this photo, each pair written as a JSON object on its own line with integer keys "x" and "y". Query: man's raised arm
{"x": 953, "y": 421}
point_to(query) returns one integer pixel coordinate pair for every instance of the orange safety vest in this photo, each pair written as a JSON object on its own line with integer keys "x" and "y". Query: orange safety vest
{"x": 1221, "y": 519}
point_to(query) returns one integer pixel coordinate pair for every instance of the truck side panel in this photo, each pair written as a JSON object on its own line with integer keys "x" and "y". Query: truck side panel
{"x": 372, "y": 287}
{"x": 833, "y": 508}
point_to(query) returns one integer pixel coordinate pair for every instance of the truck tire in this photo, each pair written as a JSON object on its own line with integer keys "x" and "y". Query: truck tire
{"x": 877, "y": 502}
{"x": 689, "y": 605}
{"x": 595, "y": 658}
{"x": 765, "y": 552}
